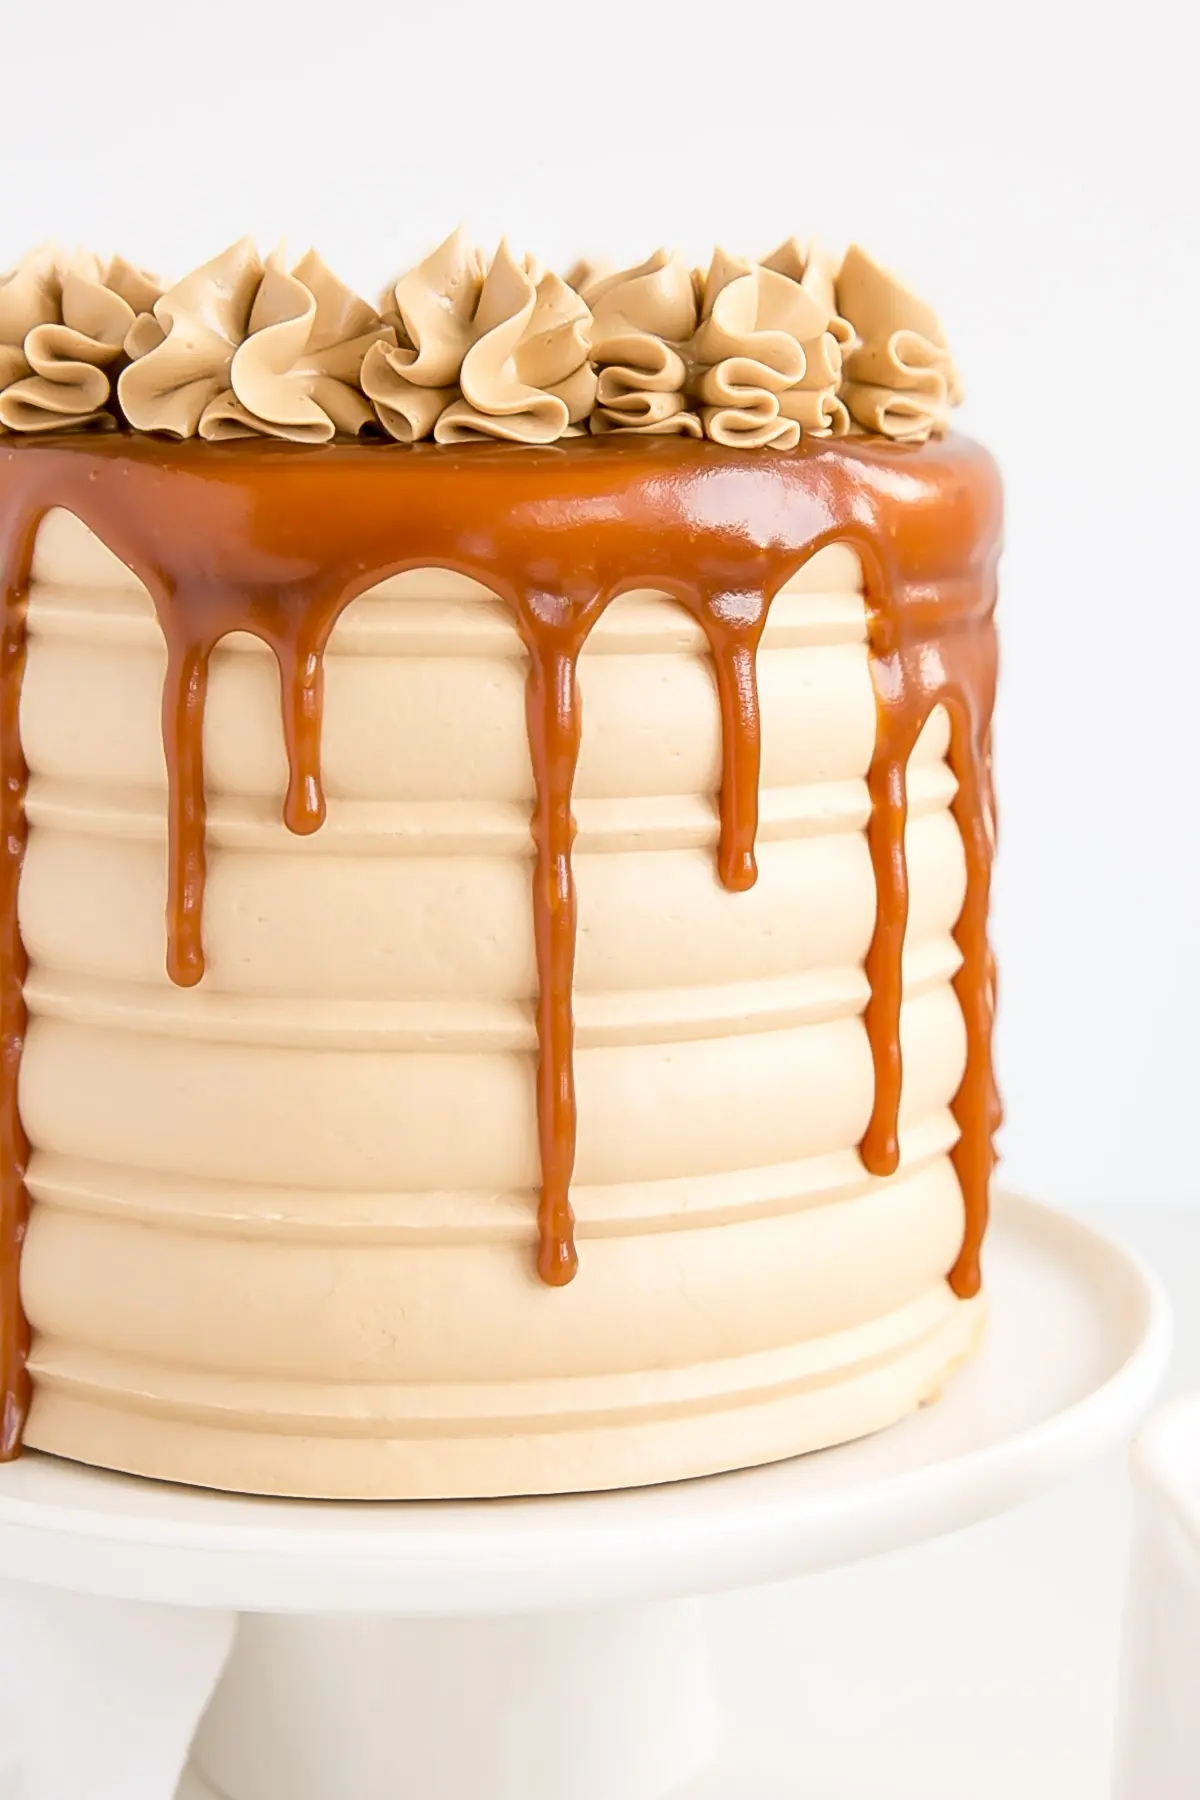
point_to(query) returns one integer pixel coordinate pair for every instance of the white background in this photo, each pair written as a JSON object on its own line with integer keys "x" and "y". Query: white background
{"x": 1031, "y": 169}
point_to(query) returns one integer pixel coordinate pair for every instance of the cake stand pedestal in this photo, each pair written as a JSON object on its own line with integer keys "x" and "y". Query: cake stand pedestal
{"x": 515, "y": 1650}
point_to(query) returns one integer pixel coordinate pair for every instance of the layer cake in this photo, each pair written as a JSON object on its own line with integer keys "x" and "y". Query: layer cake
{"x": 496, "y": 992}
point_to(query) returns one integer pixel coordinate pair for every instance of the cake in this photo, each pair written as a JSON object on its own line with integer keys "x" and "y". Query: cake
{"x": 496, "y": 995}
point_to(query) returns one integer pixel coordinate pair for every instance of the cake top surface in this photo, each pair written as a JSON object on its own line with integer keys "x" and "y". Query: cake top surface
{"x": 463, "y": 347}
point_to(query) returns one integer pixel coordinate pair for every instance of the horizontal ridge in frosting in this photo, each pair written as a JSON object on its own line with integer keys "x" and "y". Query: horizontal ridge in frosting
{"x": 463, "y": 347}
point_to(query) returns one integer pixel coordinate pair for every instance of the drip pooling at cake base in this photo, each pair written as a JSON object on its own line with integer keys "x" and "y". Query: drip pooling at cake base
{"x": 277, "y": 542}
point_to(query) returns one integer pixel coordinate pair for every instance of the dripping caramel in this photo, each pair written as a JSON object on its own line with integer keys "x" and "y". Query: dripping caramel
{"x": 278, "y": 540}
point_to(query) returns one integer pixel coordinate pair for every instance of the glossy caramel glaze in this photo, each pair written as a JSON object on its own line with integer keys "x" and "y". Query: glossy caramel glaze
{"x": 278, "y": 540}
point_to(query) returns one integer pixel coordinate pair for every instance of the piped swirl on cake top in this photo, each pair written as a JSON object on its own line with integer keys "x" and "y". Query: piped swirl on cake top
{"x": 463, "y": 347}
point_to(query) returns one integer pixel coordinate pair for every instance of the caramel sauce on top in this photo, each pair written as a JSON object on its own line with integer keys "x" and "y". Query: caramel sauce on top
{"x": 278, "y": 540}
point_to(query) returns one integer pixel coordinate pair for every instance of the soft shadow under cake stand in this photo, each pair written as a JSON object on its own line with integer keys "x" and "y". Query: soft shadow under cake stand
{"x": 541, "y": 1649}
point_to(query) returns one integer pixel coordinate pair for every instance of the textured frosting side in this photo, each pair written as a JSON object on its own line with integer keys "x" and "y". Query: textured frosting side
{"x": 63, "y": 325}
{"x": 334, "y": 1293}
{"x": 900, "y": 377}
{"x": 643, "y": 320}
{"x": 241, "y": 348}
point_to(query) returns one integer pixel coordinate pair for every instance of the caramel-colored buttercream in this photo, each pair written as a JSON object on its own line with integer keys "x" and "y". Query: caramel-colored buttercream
{"x": 431, "y": 310}
{"x": 643, "y": 321}
{"x": 482, "y": 350}
{"x": 749, "y": 351}
{"x": 900, "y": 379}
{"x": 243, "y": 349}
{"x": 63, "y": 324}
{"x": 526, "y": 376}
{"x": 748, "y": 354}
{"x": 814, "y": 401}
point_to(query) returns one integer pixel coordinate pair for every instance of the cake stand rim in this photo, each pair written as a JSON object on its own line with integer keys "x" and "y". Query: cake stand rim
{"x": 81, "y": 1529}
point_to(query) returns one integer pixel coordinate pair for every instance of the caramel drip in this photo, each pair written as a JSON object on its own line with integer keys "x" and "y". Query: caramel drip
{"x": 733, "y": 624}
{"x": 277, "y": 541}
{"x": 185, "y": 688}
{"x": 554, "y": 635}
{"x": 976, "y": 1106}
{"x": 18, "y": 530}
{"x": 555, "y": 630}
{"x": 296, "y": 633}
{"x": 912, "y": 677}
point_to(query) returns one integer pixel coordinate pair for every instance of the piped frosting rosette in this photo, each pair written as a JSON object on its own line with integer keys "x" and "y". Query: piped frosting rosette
{"x": 643, "y": 320}
{"x": 63, "y": 324}
{"x": 495, "y": 352}
{"x": 749, "y": 353}
{"x": 900, "y": 379}
{"x": 240, "y": 348}
{"x": 412, "y": 376}
{"x": 814, "y": 401}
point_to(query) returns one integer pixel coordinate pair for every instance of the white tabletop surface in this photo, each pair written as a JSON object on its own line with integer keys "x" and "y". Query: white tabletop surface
{"x": 980, "y": 1667}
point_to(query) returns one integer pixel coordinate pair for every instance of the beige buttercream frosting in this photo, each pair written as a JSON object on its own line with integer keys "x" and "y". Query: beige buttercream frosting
{"x": 814, "y": 402}
{"x": 431, "y": 310}
{"x": 642, "y": 322}
{"x": 586, "y": 274}
{"x": 333, "y": 1293}
{"x": 526, "y": 376}
{"x": 461, "y": 348}
{"x": 497, "y": 350}
{"x": 63, "y": 324}
{"x": 900, "y": 378}
{"x": 241, "y": 348}
{"x": 748, "y": 351}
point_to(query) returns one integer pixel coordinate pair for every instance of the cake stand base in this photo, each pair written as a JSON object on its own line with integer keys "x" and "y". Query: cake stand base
{"x": 547, "y": 1649}
{"x": 580, "y": 1706}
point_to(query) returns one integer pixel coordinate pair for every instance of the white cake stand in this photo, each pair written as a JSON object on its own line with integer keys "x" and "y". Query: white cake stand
{"x": 556, "y": 1649}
